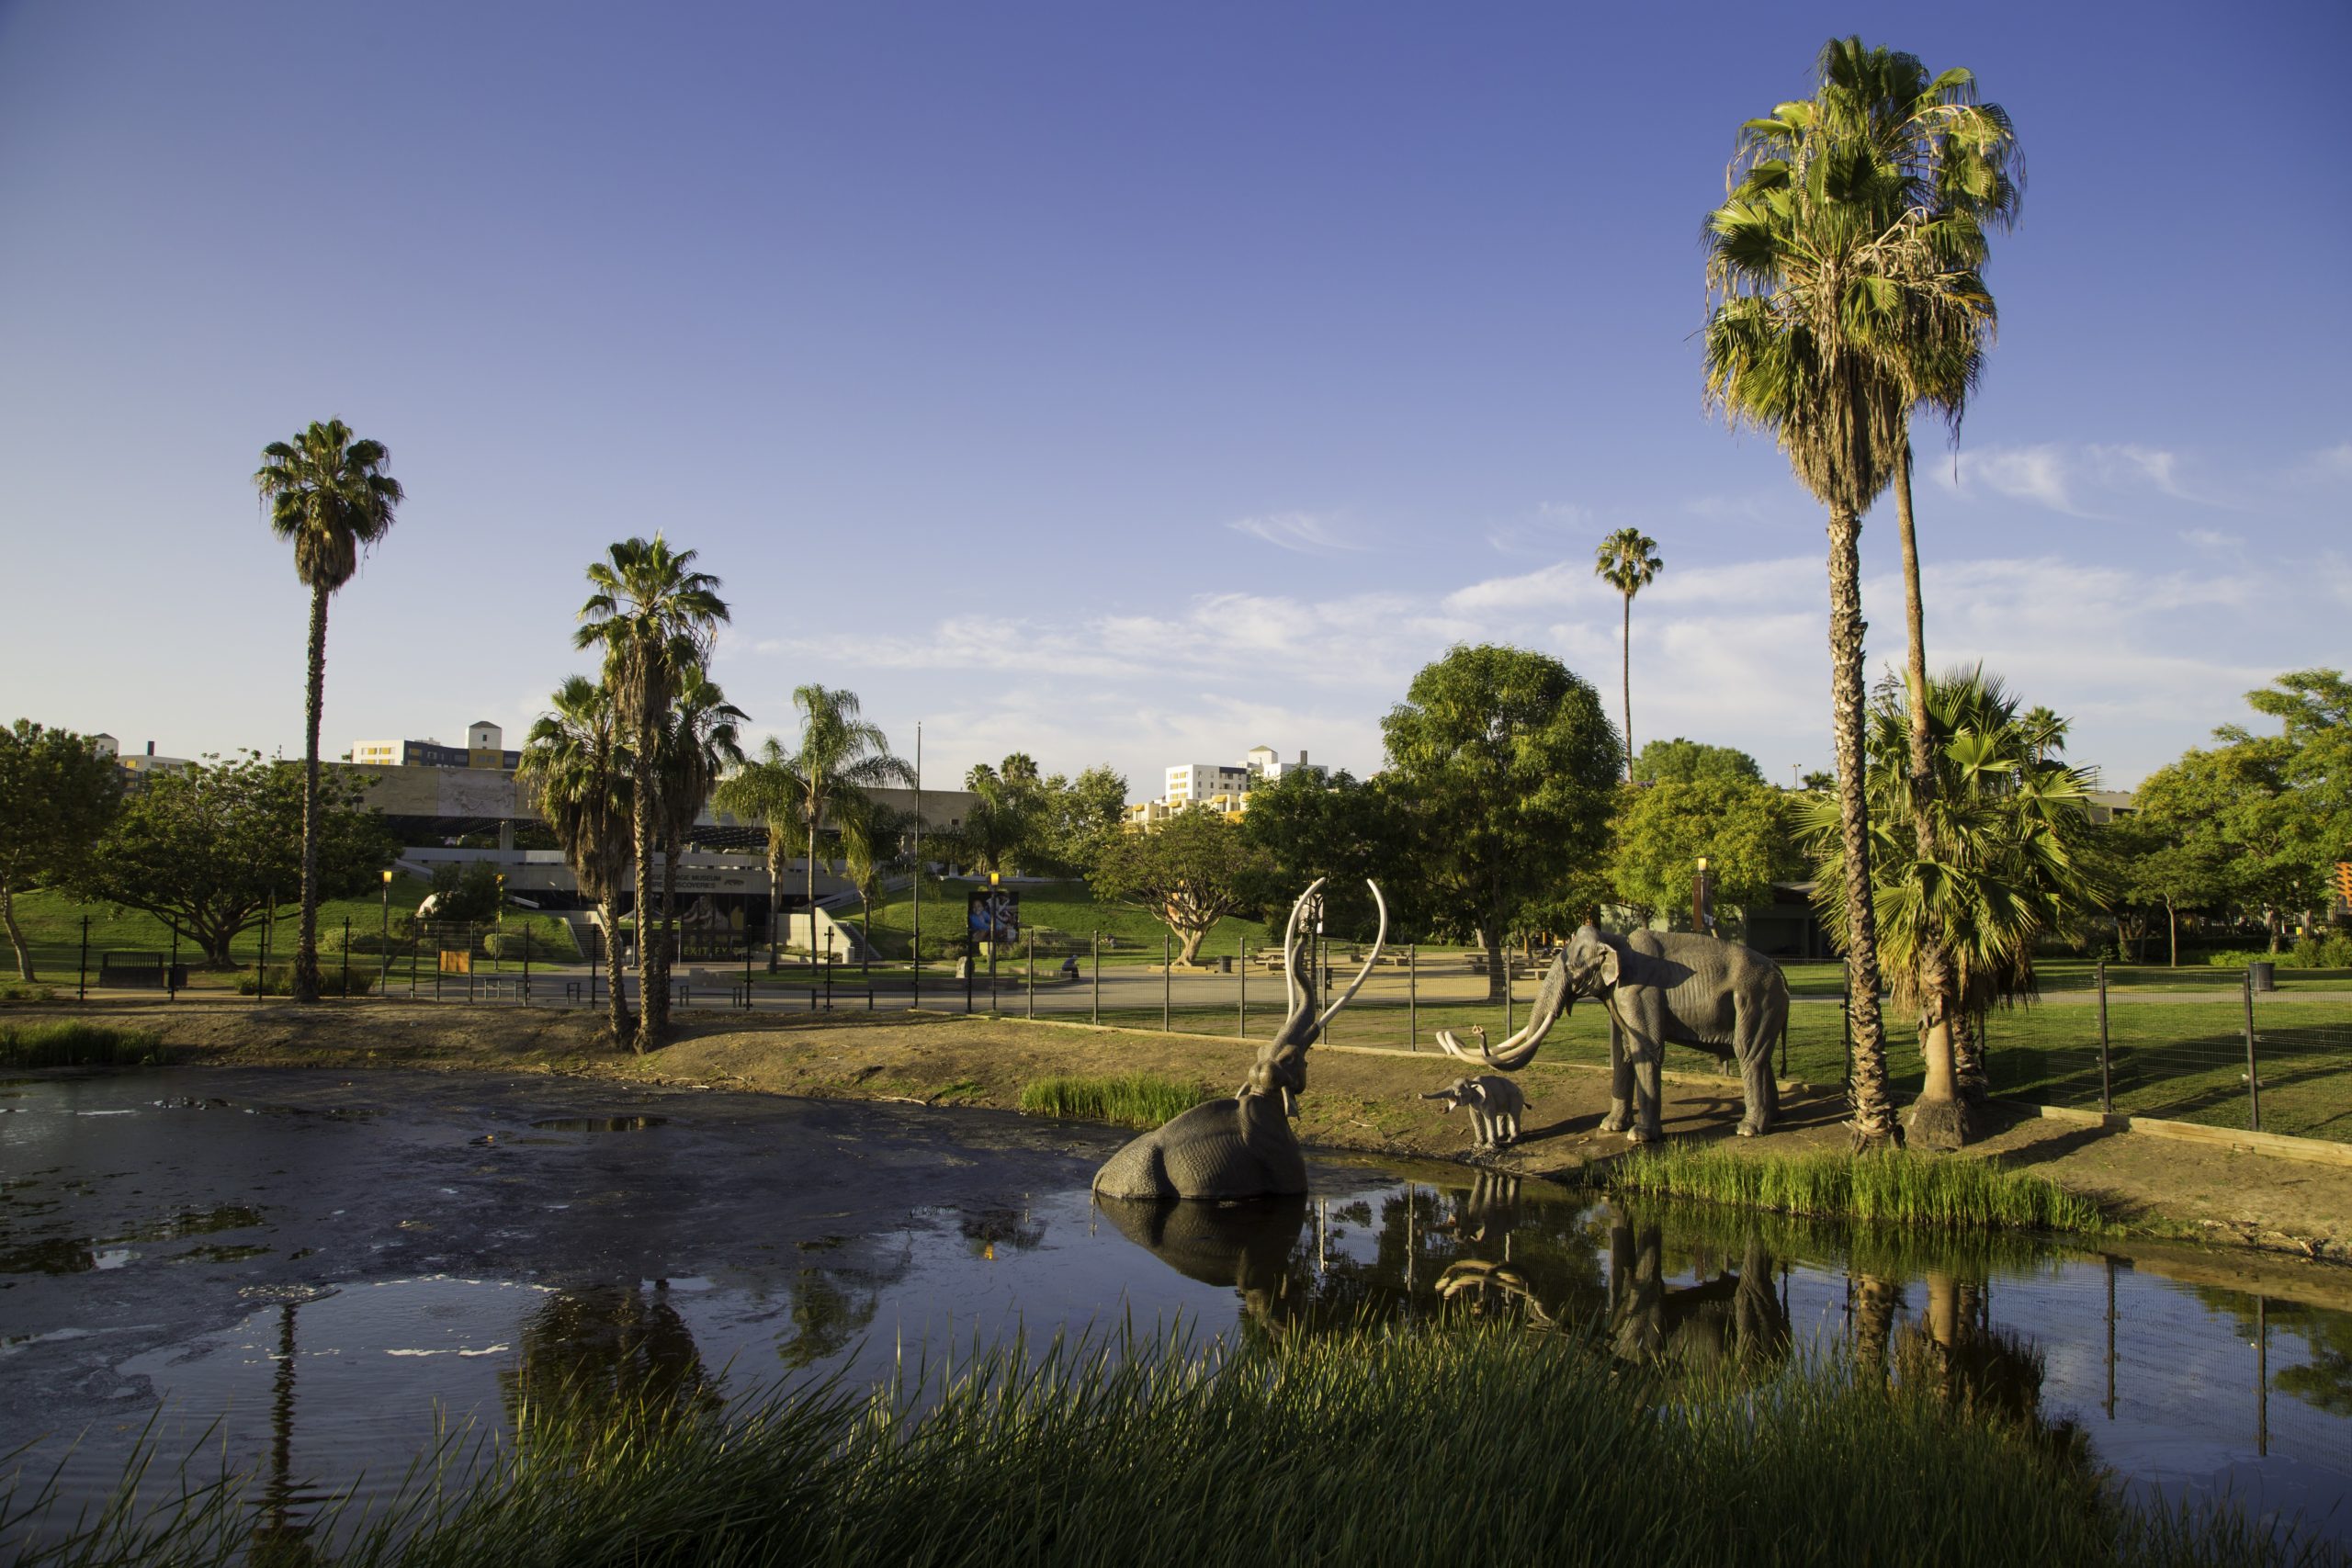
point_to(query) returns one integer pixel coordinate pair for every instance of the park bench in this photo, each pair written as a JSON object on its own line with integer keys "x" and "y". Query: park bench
{"x": 140, "y": 971}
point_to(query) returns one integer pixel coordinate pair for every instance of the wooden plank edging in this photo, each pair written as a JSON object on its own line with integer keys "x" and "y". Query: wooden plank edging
{"x": 2313, "y": 1151}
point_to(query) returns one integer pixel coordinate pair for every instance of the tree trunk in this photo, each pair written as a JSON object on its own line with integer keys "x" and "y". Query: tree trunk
{"x": 814, "y": 810}
{"x": 776, "y": 904}
{"x": 616, "y": 995}
{"x": 1968, "y": 1058}
{"x": 1497, "y": 967}
{"x": 657, "y": 1000}
{"x": 1874, "y": 1303}
{"x": 306, "y": 947}
{"x": 1873, "y": 1125}
{"x": 642, "y": 801}
{"x": 1626, "y": 683}
{"x": 2172, "y": 924}
{"x": 16, "y": 937}
{"x": 1188, "y": 948}
{"x": 1938, "y": 1118}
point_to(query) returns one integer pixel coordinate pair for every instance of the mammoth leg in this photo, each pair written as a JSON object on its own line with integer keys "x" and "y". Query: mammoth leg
{"x": 1646, "y": 1128}
{"x": 1509, "y": 1132}
{"x": 1621, "y": 1080}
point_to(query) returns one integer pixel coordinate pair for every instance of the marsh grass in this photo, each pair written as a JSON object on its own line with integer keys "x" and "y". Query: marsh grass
{"x": 67, "y": 1043}
{"x": 1372, "y": 1445}
{"x": 1134, "y": 1100}
{"x": 1892, "y": 1186}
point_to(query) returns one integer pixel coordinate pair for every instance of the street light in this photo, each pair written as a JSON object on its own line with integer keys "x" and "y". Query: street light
{"x": 384, "y": 950}
{"x": 498, "y": 959}
{"x": 1703, "y": 889}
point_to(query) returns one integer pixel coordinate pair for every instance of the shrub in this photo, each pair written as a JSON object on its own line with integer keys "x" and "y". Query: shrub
{"x": 69, "y": 1043}
{"x": 1137, "y": 1099}
{"x": 279, "y": 982}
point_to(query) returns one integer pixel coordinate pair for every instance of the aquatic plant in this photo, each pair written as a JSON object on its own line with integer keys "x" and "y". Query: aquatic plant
{"x": 1134, "y": 1100}
{"x": 1890, "y": 1185}
{"x": 1374, "y": 1446}
{"x": 69, "y": 1043}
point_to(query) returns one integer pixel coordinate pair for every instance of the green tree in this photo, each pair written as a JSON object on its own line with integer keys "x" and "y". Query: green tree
{"x": 209, "y": 852}
{"x": 1188, "y": 873}
{"x": 2161, "y": 863}
{"x": 698, "y": 742}
{"x": 469, "y": 892}
{"x": 654, "y": 617}
{"x": 58, "y": 792}
{"x": 1628, "y": 561}
{"x": 1661, "y": 831}
{"x": 1688, "y": 761}
{"x": 2314, "y": 772}
{"x": 1827, "y": 274}
{"x": 1077, "y": 815}
{"x": 768, "y": 790}
{"x": 1508, "y": 765}
{"x": 999, "y": 826}
{"x": 1343, "y": 828}
{"x": 327, "y": 494}
{"x": 840, "y": 755}
{"x": 2011, "y": 864}
{"x": 577, "y": 768}
{"x": 874, "y": 840}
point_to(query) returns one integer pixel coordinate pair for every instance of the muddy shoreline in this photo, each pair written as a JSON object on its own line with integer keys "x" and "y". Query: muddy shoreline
{"x": 2236, "y": 1211}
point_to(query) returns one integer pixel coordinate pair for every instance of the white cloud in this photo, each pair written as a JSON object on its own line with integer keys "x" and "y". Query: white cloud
{"x": 2080, "y": 480}
{"x": 2038, "y": 474}
{"x": 1307, "y": 533}
{"x": 1553, "y": 526}
{"x": 2212, "y": 539}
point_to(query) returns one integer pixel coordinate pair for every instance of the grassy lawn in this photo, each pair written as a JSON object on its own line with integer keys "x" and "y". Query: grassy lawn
{"x": 1066, "y": 907}
{"x": 52, "y": 926}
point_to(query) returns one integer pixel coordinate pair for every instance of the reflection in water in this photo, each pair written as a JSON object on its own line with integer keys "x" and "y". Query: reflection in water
{"x": 1733, "y": 1319}
{"x": 599, "y": 1364}
{"x": 280, "y": 1536}
{"x": 598, "y": 1123}
{"x": 1251, "y": 1246}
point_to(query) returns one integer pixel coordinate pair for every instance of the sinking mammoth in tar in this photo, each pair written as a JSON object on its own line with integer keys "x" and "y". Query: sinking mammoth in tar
{"x": 1242, "y": 1147}
{"x": 1662, "y": 989}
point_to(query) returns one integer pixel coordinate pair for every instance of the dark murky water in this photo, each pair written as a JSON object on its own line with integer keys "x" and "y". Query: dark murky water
{"x": 315, "y": 1272}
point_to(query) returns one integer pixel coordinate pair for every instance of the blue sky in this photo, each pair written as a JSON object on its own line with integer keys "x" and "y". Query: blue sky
{"x": 1124, "y": 383}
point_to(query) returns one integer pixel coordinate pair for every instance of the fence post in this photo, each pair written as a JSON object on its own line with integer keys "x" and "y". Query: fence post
{"x": 1413, "y": 995}
{"x": 2106, "y": 1080}
{"x": 346, "y": 957}
{"x": 171, "y": 991}
{"x": 261, "y": 975}
{"x": 526, "y": 963}
{"x": 1167, "y": 981}
{"x": 469, "y": 969}
{"x": 414, "y": 940}
{"x": 2253, "y": 1082}
{"x": 1094, "y": 940}
{"x": 828, "y": 980}
{"x": 1033, "y": 971}
{"x": 81, "y": 975}
{"x": 747, "y": 965}
{"x": 1509, "y": 1021}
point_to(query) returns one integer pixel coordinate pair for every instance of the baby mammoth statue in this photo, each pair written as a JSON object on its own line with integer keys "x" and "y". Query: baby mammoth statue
{"x": 1495, "y": 1105}
{"x": 1242, "y": 1147}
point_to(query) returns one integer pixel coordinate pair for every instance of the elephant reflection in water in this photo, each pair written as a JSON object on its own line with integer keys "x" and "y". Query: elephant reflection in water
{"x": 1250, "y": 1246}
{"x": 605, "y": 1364}
{"x": 1732, "y": 1320}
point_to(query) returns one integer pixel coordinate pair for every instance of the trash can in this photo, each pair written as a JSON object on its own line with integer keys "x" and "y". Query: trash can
{"x": 1224, "y": 965}
{"x": 2262, "y": 974}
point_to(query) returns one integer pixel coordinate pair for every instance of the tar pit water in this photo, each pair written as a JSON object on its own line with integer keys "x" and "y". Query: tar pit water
{"x": 316, "y": 1279}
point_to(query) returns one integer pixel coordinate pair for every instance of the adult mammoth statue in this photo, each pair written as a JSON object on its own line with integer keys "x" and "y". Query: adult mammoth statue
{"x": 1660, "y": 987}
{"x": 1242, "y": 1147}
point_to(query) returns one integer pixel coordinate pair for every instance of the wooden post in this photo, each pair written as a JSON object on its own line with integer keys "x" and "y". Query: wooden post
{"x": 1167, "y": 982}
{"x": 2106, "y": 1082}
{"x": 81, "y": 975}
{"x": 1033, "y": 971}
{"x": 346, "y": 955}
{"x": 1095, "y": 940}
{"x": 1241, "y": 1014}
{"x": 171, "y": 992}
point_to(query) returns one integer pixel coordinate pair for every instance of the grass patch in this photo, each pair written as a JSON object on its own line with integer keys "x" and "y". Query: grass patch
{"x": 1135, "y": 1099}
{"x": 1892, "y": 1186}
{"x": 69, "y": 1044}
{"x": 1351, "y": 1447}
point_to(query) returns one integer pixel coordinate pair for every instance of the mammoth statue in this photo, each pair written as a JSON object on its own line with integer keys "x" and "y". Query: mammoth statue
{"x": 1242, "y": 1147}
{"x": 1660, "y": 987}
{"x": 1495, "y": 1105}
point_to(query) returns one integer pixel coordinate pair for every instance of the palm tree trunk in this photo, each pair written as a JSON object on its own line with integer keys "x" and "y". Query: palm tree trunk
{"x": 641, "y": 802}
{"x": 658, "y": 999}
{"x": 1873, "y": 1123}
{"x": 1938, "y": 1118}
{"x": 617, "y": 995}
{"x": 306, "y": 948}
{"x": 814, "y": 809}
{"x": 1625, "y": 684}
{"x": 1968, "y": 1053}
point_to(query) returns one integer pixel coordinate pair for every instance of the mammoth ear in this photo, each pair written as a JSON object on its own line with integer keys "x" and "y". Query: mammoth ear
{"x": 1608, "y": 964}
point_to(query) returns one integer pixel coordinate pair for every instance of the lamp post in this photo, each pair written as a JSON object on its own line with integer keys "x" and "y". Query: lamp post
{"x": 498, "y": 959}
{"x": 1703, "y": 901}
{"x": 384, "y": 947}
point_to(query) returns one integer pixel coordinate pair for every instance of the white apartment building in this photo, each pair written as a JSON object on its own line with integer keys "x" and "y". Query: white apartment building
{"x": 1189, "y": 784}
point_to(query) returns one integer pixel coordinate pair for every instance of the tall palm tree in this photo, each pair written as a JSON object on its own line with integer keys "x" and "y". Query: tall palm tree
{"x": 873, "y": 845}
{"x": 576, "y": 765}
{"x": 767, "y": 789}
{"x": 1628, "y": 561}
{"x": 2009, "y": 860}
{"x": 1954, "y": 161}
{"x": 654, "y": 617}
{"x": 1819, "y": 267}
{"x": 698, "y": 742}
{"x": 327, "y": 493}
{"x": 839, "y": 754}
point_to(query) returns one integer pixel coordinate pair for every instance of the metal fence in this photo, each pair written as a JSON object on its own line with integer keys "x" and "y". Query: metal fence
{"x": 2208, "y": 1045}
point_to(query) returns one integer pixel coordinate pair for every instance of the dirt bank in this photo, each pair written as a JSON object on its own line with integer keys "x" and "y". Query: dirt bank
{"x": 1359, "y": 1099}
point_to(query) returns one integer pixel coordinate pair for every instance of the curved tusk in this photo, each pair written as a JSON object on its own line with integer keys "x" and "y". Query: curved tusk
{"x": 1379, "y": 940}
{"x": 1290, "y": 949}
